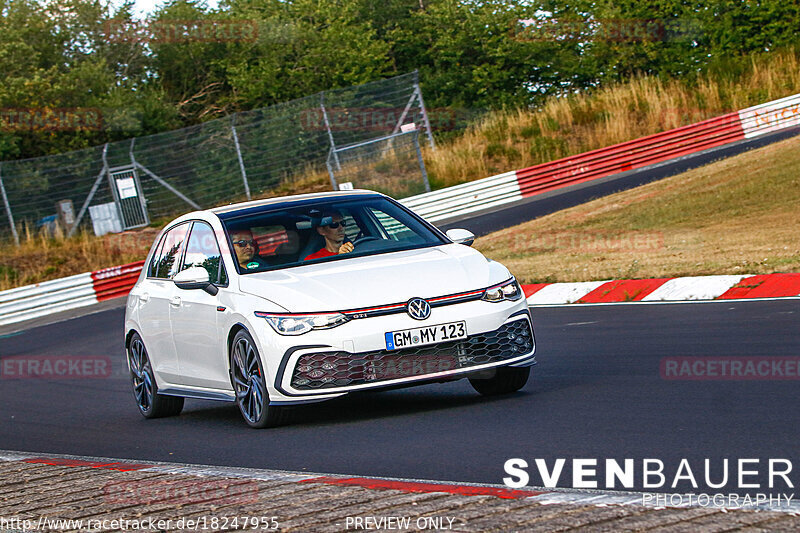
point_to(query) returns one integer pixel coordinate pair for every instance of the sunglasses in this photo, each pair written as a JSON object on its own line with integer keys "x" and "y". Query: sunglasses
{"x": 244, "y": 243}
{"x": 335, "y": 225}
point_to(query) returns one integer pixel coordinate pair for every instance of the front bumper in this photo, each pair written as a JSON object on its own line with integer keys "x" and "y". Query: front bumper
{"x": 322, "y": 370}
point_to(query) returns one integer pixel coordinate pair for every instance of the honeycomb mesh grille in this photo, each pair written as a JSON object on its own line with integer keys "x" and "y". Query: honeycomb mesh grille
{"x": 327, "y": 370}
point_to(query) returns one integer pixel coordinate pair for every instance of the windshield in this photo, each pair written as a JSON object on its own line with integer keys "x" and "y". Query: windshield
{"x": 324, "y": 231}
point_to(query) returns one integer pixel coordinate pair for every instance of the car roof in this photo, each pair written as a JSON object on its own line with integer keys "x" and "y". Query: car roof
{"x": 246, "y": 208}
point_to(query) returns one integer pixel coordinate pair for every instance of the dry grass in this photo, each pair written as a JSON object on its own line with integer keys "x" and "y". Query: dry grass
{"x": 520, "y": 138}
{"x": 515, "y": 139}
{"x": 735, "y": 216}
{"x": 41, "y": 257}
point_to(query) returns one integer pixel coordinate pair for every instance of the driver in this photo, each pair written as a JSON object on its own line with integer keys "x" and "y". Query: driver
{"x": 334, "y": 237}
{"x": 245, "y": 247}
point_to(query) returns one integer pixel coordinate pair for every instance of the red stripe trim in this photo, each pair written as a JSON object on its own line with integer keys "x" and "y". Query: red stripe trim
{"x": 263, "y": 314}
{"x": 382, "y": 307}
{"x": 120, "y": 467}
{"x": 368, "y": 309}
{"x": 413, "y": 486}
{"x": 455, "y": 296}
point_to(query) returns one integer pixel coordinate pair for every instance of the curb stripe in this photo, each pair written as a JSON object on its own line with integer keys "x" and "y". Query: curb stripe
{"x": 119, "y": 467}
{"x": 599, "y": 498}
{"x": 563, "y": 293}
{"x": 623, "y": 290}
{"x": 411, "y": 486}
{"x": 765, "y": 286}
{"x": 693, "y": 288}
{"x": 533, "y": 288}
{"x": 655, "y": 290}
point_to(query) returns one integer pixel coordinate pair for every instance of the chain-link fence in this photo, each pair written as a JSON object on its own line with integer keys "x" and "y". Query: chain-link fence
{"x": 392, "y": 164}
{"x": 126, "y": 184}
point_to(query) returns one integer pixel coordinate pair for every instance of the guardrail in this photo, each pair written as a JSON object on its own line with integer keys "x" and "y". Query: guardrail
{"x": 631, "y": 155}
{"x": 33, "y": 301}
{"x": 115, "y": 281}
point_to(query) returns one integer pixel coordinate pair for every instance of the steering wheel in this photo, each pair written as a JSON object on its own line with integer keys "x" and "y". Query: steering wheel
{"x": 365, "y": 238}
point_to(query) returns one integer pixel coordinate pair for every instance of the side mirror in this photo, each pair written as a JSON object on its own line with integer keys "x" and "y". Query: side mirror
{"x": 461, "y": 236}
{"x": 195, "y": 278}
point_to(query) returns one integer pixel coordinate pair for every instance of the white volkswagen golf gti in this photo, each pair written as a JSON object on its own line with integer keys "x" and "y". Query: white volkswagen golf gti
{"x": 305, "y": 298}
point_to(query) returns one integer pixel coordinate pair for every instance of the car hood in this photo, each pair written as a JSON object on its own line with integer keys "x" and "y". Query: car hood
{"x": 376, "y": 280}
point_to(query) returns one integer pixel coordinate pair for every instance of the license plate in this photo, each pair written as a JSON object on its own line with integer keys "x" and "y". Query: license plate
{"x": 426, "y": 335}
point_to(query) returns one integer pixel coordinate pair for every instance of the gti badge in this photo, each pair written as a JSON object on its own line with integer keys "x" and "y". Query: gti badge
{"x": 418, "y": 309}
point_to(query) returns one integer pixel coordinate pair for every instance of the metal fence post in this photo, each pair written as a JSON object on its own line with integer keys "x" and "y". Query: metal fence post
{"x": 239, "y": 155}
{"x": 421, "y": 162}
{"x": 328, "y": 127}
{"x": 8, "y": 208}
{"x": 404, "y": 114}
{"x": 331, "y": 174}
{"x": 424, "y": 111}
{"x": 139, "y": 190}
{"x": 92, "y": 192}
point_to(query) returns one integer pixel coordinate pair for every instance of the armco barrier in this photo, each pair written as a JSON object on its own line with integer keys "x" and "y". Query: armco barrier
{"x": 636, "y": 154}
{"x": 466, "y": 198}
{"x": 34, "y": 301}
{"x": 38, "y": 300}
{"x": 115, "y": 281}
{"x": 630, "y": 155}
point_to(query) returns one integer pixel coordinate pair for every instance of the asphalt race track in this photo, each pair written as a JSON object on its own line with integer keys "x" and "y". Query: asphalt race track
{"x": 596, "y": 393}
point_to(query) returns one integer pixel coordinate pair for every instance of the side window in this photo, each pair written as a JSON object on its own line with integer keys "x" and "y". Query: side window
{"x": 154, "y": 262}
{"x": 202, "y": 250}
{"x": 269, "y": 239}
{"x": 167, "y": 265}
{"x": 394, "y": 229}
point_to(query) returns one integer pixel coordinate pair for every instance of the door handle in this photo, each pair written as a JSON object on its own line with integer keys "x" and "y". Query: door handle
{"x": 175, "y": 302}
{"x": 144, "y": 297}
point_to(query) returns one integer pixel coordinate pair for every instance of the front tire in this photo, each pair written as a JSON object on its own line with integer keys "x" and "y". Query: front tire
{"x": 506, "y": 380}
{"x": 249, "y": 384}
{"x": 145, "y": 389}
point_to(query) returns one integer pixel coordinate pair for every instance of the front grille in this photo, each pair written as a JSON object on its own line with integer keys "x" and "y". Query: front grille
{"x": 327, "y": 370}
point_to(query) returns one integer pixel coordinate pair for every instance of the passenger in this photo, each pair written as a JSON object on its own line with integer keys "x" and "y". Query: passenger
{"x": 246, "y": 250}
{"x": 334, "y": 238}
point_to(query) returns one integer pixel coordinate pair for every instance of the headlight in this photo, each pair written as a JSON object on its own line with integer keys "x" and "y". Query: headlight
{"x": 508, "y": 290}
{"x": 296, "y": 324}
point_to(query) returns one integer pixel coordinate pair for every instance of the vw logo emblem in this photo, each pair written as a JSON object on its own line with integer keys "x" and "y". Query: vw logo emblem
{"x": 418, "y": 309}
